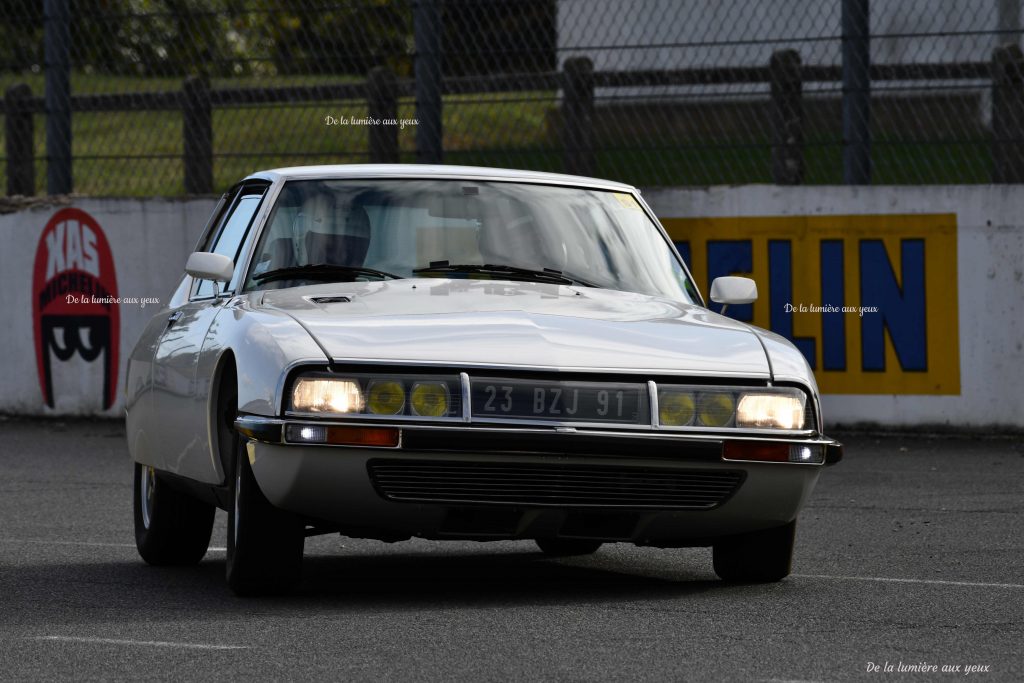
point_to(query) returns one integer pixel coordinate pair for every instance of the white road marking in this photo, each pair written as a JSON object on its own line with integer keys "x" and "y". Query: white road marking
{"x": 151, "y": 643}
{"x": 85, "y": 543}
{"x": 937, "y": 582}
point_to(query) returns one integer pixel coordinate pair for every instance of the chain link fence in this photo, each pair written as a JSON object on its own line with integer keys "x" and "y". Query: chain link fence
{"x": 168, "y": 97}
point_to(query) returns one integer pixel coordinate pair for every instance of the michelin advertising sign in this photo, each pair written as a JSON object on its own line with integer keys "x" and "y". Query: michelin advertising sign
{"x": 870, "y": 300}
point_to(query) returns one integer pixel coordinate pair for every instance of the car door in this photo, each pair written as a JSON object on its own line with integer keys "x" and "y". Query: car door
{"x": 180, "y": 396}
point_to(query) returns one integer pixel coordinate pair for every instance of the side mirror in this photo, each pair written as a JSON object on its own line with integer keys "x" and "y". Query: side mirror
{"x": 205, "y": 265}
{"x": 733, "y": 290}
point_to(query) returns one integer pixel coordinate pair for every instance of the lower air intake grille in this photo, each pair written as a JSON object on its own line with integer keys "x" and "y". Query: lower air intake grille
{"x": 555, "y": 485}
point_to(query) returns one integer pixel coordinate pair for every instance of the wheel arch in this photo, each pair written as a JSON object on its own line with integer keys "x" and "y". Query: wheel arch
{"x": 223, "y": 408}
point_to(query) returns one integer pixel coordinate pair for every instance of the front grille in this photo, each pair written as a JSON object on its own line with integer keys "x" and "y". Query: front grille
{"x": 468, "y": 440}
{"x": 552, "y": 485}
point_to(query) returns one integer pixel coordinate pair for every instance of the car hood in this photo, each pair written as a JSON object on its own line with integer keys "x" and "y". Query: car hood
{"x": 518, "y": 324}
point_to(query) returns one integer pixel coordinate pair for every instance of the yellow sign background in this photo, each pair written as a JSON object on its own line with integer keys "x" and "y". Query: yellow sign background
{"x": 805, "y": 233}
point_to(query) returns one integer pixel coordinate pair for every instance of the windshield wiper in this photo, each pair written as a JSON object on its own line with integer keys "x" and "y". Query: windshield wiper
{"x": 321, "y": 271}
{"x": 545, "y": 275}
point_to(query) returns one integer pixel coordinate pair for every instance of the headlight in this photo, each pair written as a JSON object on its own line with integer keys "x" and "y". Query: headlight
{"x": 371, "y": 395}
{"x": 717, "y": 407}
{"x": 321, "y": 395}
{"x": 770, "y": 411}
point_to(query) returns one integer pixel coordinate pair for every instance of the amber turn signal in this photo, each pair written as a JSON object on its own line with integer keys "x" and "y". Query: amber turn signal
{"x": 386, "y": 437}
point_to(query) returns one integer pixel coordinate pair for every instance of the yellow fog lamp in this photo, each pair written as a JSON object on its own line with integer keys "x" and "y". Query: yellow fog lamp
{"x": 715, "y": 409}
{"x": 429, "y": 399}
{"x": 385, "y": 397}
{"x": 676, "y": 408}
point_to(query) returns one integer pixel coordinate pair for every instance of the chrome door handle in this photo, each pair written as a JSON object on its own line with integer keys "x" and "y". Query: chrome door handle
{"x": 173, "y": 318}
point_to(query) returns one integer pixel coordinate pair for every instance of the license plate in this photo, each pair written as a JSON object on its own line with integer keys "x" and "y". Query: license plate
{"x": 621, "y": 403}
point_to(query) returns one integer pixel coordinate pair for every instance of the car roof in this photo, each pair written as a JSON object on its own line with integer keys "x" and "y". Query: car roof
{"x": 435, "y": 171}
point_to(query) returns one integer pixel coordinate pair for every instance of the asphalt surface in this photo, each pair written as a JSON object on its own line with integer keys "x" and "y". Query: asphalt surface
{"x": 910, "y": 552}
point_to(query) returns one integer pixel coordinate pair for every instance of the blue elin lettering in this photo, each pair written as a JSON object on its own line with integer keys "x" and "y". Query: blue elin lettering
{"x": 833, "y": 324}
{"x": 780, "y": 288}
{"x": 901, "y": 310}
{"x": 726, "y": 257}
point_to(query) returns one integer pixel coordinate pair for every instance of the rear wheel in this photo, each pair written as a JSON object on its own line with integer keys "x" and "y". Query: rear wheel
{"x": 756, "y": 557}
{"x": 565, "y": 547}
{"x": 264, "y": 542}
{"x": 171, "y": 527}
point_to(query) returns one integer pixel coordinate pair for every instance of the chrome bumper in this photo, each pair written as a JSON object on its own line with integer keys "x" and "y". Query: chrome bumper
{"x": 677, "y": 446}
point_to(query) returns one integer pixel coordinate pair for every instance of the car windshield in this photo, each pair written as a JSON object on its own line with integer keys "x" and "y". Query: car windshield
{"x": 345, "y": 230}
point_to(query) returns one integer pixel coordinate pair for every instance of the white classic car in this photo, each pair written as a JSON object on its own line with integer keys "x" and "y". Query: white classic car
{"x": 460, "y": 353}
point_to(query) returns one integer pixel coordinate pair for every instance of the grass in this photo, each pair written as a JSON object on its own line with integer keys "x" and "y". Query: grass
{"x": 139, "y": 153}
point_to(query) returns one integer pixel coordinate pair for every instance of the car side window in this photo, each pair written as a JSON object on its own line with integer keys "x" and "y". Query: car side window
{"x": 231, "y": 234}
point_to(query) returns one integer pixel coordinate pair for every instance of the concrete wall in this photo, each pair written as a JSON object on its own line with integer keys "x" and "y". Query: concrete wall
{"x": 944, "y": 266}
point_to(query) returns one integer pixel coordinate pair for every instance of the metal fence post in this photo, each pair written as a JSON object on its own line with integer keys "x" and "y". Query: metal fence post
{"x": 578, "y": 115}
{"x": 1007, "y": 114}
{"x": 856, "y": 93}
{"x": 1008, "y": 22}
{"x": 787, "y": 118}
{"x": 426, "y": 21}
{"x": 57, "y": 56}
{"x": 382, "y": 103}
{"x": 20, "y": 138}
{"x": 197, "y": 129}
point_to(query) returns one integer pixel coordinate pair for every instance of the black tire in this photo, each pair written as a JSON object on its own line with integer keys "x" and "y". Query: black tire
{"x": 566, "y": 547}
{"x": 264, "y": 542}
{"x": 757, "y": 557}
{"x": 171, "y": 527}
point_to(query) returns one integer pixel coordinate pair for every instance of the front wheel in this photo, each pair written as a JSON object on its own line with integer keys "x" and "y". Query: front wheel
{"x": 264, "y": 542}
{"x": 756, "y": 557}
{"x": 171, "y": 527}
